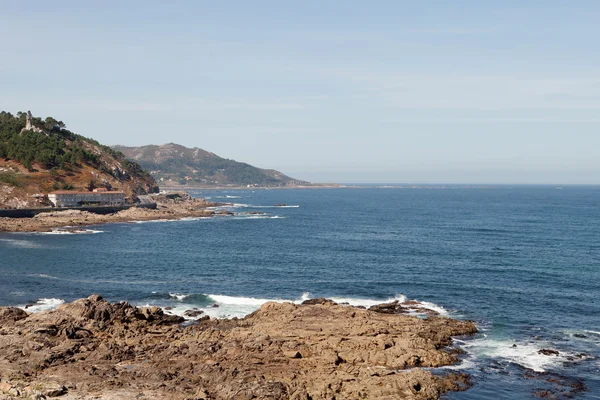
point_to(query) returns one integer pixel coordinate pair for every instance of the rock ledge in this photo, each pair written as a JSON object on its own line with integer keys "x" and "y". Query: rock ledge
{"x": 94, "y": 349}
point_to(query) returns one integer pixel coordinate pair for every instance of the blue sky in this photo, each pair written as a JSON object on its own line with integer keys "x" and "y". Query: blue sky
{"x": 339, "y": 91}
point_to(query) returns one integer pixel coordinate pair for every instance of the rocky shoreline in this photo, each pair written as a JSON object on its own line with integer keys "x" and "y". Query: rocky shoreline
{"x": 92, "y": 349}
{"x": 168, "y": 208}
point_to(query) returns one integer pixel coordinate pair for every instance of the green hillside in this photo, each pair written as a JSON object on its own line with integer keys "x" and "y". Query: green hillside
{"x": 47, "y": 157}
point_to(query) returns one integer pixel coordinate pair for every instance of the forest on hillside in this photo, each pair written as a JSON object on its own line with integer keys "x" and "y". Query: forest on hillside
{"x": 52, "y": 146}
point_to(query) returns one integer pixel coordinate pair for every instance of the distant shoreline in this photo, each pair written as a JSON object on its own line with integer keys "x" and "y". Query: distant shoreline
{"x": 224, "y": 187}
{"x": 75, "y": 220}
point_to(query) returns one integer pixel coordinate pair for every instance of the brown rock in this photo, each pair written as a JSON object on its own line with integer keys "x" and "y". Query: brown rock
{"x": 11, "y": 314}
{"x": 389, "y": 308}
{"x": 5, "y": 387}
{"x": 319, "y": 300}
{"x": 292, "y": 354}
{"x": 281, "y": 351}
{"x": 54, "y": 390}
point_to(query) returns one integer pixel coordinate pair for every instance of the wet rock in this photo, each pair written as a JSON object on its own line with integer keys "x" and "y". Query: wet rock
{"x": 389, "y": 308}
{"x": 320, "y": 300}
{"x": 193, "y": 313}
{"x": 548, "y": 352}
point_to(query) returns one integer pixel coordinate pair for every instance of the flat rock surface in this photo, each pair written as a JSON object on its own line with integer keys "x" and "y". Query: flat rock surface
{"x": 166, "y": 210}
{"x": 91, "y": 349}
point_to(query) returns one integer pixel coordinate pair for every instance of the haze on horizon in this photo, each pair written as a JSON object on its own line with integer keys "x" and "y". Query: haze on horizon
{"x": 390, "y": 91}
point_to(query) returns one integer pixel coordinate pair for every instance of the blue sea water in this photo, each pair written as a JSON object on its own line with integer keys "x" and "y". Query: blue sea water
{"x": 523, "y": 262}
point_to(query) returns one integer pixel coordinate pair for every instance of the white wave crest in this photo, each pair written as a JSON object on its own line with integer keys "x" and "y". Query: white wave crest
{"x": 283, "y": 206}
{"x": 24, "y": 244}
{"x": 251, "y": 216}
{"x": 43, "y": 305}
{"x": 151, "y": 221}
{"x": 246, "y": 301}
{"x": 224, "y": 306}
{"x": 524, "y": 354}
{"x": 355, "y": 301}
{"x": 71, "y": 232}
{"x": 46, "y": 276}
{"x": 434, "y": 307}
{"x": 238, "y": 205}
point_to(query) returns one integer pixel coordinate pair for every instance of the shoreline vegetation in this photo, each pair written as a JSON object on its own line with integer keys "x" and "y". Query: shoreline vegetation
{"x": 314, "y": 350}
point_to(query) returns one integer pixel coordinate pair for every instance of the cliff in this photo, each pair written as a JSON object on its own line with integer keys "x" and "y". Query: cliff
{"x": 40, "y": 156}
{"x": 174, "y": 164}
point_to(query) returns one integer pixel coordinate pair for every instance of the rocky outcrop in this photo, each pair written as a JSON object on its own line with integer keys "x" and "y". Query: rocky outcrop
{"x": 167, "y": 209}
{"x": 397, "y": 307}
{"x": 282, "y": 351}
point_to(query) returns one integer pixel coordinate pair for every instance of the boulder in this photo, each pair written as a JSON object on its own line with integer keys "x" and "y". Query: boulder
{"x": 548, "y": 352}
{"x": 389, "y": 308}
{"x": 319, "y": 300}
{"x": 193, "y": 313}
{"x": 11, "y": 314}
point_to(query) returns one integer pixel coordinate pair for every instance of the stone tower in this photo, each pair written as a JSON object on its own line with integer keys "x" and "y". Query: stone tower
{"x": 29, "y": 124}
{"x": 28, "y": 117}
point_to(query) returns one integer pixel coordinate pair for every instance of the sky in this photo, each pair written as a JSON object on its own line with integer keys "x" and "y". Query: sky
{"x": 326, "y": 91}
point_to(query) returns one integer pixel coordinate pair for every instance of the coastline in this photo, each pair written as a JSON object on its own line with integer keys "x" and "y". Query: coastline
{"x": 315, "y": 350}
{"x": 226, "y": 187}
{"x": 167, "y": 209}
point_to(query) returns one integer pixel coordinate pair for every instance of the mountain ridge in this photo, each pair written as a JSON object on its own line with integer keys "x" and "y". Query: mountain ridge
{"x": 178, "y": 164}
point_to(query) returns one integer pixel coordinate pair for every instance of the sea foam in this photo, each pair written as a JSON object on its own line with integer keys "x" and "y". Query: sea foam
{"x": 524, "y": 354}
{"x": 43, "y": 305}
{"x": 223, "y": 306}
{"x": 71, "y": 232}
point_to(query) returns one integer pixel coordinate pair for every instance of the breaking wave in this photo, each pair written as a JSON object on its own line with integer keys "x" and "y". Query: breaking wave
{"x": 224, "y": 306}
{"x": 43, "y": 305}
{"x": 71, "y": 232}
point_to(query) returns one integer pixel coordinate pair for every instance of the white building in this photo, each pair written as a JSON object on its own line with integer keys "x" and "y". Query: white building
{"x": 69, "y": 198}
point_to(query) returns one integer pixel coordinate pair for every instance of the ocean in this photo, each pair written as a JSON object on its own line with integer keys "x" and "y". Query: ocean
{"x": 523, "y": 262}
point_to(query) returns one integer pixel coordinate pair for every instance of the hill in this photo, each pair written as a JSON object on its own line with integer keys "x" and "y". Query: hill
{"x": 40, "y": 156}
{"x": 175, "y": 164}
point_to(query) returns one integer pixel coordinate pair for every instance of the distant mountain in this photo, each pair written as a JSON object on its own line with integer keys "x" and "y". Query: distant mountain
{"x": 40, "y": 156}
{"x": 173, "y": 163}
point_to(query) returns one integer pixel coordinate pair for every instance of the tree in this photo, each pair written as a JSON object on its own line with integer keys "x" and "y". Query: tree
{"x": 52, "y": 125}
